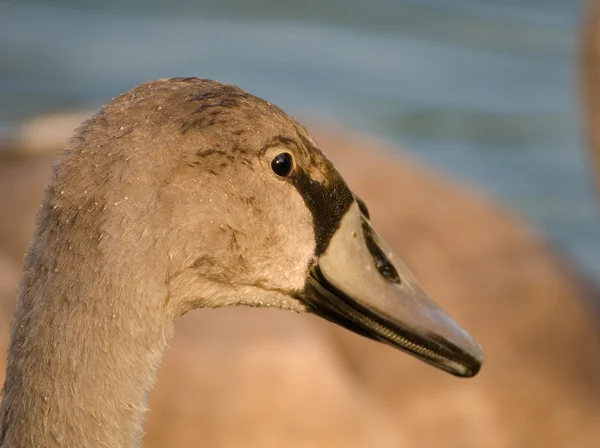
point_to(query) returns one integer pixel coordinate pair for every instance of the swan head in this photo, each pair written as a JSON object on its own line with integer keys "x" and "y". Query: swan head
{"x": 236, "y": 205}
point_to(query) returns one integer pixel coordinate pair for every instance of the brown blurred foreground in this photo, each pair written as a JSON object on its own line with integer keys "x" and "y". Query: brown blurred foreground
{"x": 263, "y": 378}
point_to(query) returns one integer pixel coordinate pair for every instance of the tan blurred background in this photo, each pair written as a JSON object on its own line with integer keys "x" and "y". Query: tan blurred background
{"x": 481, "y": 92}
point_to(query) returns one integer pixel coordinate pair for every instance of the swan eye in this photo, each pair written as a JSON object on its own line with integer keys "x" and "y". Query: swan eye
{"x": 283, "y": 164}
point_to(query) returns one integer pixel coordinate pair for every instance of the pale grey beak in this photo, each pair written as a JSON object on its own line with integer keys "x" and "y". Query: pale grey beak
{"x": 361, "y": 284}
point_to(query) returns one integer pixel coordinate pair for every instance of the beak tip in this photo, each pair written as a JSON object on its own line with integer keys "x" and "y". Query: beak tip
{"x": 476, "y": 364}
{"x": 474, "y": 369}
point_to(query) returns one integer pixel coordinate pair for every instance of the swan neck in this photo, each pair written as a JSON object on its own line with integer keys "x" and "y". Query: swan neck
{"x": 86, "y": 343}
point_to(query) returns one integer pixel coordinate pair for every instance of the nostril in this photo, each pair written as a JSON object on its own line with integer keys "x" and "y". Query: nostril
{"x": 381, "y": 261}
{"x": 388, "y": 271}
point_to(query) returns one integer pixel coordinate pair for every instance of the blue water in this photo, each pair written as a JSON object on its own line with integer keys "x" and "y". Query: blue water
{"x": 481, "y": 89}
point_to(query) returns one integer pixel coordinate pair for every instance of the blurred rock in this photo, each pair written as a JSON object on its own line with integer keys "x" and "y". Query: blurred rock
{"x": 261, "y": 378}
{"x": 46, "y": 133}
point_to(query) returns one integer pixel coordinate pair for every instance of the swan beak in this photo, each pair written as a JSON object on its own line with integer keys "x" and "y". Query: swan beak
{"x": 362, "y": 285}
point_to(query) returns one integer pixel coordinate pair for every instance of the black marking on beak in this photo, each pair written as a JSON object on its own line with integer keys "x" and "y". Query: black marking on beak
{"x": 362, "y": 207}
{"x": 383, "y": 265}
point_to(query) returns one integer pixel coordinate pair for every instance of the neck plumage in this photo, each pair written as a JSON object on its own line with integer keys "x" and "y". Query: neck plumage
{"x": 87, "y": 338}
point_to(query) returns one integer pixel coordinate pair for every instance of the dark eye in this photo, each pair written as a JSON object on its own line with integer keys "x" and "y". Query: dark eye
{"x": 282, "y": 164}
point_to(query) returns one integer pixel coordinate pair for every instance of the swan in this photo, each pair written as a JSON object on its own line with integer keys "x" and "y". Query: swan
{"x": 180, "y": 194}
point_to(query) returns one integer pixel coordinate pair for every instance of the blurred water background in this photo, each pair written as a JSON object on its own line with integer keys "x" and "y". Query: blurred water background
{"x": 484, "y": 90}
